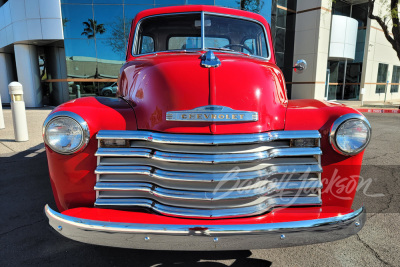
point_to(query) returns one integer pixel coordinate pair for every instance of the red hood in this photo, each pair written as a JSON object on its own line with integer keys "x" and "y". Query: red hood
{"x": 166, "y": 82}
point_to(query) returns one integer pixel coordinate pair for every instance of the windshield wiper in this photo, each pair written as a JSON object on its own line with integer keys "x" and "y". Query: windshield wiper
{"x": 221, "y": 49}
{"x": 227, "y": 50}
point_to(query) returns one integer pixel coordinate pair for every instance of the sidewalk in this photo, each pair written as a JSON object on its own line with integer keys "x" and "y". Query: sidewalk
{"x": 35, "y": 118}
{"x": 373, "y": 106}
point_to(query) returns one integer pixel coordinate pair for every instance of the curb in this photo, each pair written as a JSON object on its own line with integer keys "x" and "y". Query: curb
{"x": 378, "y": 110}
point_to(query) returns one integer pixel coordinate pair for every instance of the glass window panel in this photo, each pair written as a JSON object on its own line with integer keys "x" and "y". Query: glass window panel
{"x": 80, "y": 58}
{"x": 130, "y": 11}
{"x": 280, "y": 40}
{"x": 147, "y": 45}
{"x": 341, "y": 8}
{"x": 76, "y": 1}
{"x": 282, "y": 3}
{"x": 161, "y": 28}
{"x": 395, "y": 79}
{"x": 228, "y": 3}
{"x": 195, "y": 42}
{"x": 251, "y": 43}
{"x": 335, "y": 79}
{"x": 200, "y": 2}
{"x": 81, "y": 89}
{"x": 73, "y": 18}
{"x": 280, "y": 59}
{"x": 108, "y": 18}
{"x": 140, "y": 2}
{"x": 281, "y": 17}
{"x": 265, "y": 9}
{"x": 382, "y": 73}
{"x": 360, "y": 13}
{"x": 236, "y": 31}
{"x": 108, "y": 1}
{"x": 169, "y": 2}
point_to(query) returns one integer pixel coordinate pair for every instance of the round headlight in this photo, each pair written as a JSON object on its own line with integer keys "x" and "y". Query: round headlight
{"x": 65, "y": 132}
{"x": 350, "y": 134}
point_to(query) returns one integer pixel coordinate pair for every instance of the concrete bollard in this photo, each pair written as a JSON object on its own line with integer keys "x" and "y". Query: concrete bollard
{"x": 78, "y": 91}
{"x": 18, "y": 112}
{"x": 2, "y": 126}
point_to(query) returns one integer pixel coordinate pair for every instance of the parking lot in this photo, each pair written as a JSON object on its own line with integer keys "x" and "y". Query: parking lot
{"x": 26, "y": 238}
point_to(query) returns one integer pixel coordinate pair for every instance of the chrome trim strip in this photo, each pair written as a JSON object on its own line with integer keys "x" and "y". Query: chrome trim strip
{"x": 240, "y": 176}
{"x": 256, "y": 209}
{"x": 193, "y": 139}
{"x": 206, "y": 237}
{"x": 78, "y": 119}
{"x": 160, "y": 193}
{"x": 202, "y": 31}
{"x": 211, "y": 112}
{"x": 338, "y": 122}
{"x": 208, "y": 158}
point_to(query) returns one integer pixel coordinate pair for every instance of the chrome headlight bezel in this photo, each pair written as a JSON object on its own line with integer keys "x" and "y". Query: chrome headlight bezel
{"x": 70, "y": 115}
{"x": 336, "y": 126}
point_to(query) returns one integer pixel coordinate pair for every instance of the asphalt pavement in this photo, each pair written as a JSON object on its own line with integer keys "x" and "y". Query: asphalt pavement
{"x": 26, "y": 238}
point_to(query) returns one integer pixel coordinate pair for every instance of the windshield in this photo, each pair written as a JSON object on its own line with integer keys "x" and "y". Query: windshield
{"x": 183, "y": 32}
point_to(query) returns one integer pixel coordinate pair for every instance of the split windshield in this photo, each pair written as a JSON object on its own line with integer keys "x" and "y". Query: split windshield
{"x": 183, "y": 32}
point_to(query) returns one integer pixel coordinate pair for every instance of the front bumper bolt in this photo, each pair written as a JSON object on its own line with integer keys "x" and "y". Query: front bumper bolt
{"x": 357, "y": 224}
{"x": 59, "y": 228}
{"x": 283, "y": 236}
{"x": 215, "y": 239}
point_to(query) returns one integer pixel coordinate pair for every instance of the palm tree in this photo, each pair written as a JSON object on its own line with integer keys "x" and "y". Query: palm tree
{"x": 91, "y": 28}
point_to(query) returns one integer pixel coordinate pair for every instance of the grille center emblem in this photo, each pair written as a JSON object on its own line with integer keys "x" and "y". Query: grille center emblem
{"x": 212, "y": 113}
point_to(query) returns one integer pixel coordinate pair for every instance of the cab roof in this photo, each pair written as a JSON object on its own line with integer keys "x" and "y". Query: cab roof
{"x": 197, "y": 8}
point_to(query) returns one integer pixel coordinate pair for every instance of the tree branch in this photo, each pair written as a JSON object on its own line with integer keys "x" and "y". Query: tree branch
{"x": 371, "y": 5}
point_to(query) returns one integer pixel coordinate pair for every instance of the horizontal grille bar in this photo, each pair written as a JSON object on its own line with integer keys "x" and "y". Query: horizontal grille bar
{"x": 207, "y": 158}
{"x": 189, "y": 139}
{"x": 209, "y": 213}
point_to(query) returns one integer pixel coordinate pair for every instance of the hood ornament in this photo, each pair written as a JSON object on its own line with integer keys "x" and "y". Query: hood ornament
{"x": 212, "y": 113}
{"x": 210, "y": 60}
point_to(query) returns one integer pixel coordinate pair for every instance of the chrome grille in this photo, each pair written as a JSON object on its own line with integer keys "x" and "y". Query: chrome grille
{"x": 207, "y": 176}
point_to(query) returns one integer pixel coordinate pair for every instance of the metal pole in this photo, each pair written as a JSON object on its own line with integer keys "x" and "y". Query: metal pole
{"x": 386, "y": 85}
{"x": 2, "y": 126}
{"x": 18, "y": 112}
{"x": 344, "y": 78}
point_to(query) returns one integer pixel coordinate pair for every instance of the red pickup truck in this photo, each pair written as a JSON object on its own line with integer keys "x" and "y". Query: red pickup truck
{"x": 202, "y": 150}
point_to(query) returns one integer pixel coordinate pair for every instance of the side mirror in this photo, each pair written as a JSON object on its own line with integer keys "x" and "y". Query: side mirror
{"x": 300, "y": 66}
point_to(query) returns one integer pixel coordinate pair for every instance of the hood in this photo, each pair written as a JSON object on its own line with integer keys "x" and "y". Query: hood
{"x": 167, "y": 82}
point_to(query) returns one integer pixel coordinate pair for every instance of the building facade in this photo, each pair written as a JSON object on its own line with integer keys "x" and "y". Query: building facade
{"x": 63, "y": 49}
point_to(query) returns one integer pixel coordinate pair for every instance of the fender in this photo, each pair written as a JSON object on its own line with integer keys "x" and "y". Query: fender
{"x": 311, "y": 114}
{"x": 72, "y": 176}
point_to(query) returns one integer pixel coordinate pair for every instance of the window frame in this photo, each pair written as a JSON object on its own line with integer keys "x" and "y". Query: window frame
{"x": 378, "y": 88}
{"x": 394, "y": 88}
{"x": 136, "y": 46}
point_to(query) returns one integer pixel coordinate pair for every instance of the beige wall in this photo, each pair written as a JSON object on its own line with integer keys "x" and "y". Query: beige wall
{"x": 377, "y": 50}
{"x": 313, "y": 22}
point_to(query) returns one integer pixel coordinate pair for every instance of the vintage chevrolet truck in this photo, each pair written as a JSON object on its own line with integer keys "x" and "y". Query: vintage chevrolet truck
{"x": 202, "y": 150}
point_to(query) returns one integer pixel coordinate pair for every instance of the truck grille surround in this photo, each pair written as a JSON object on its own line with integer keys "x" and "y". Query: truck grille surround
{"x": 208, "y": 176}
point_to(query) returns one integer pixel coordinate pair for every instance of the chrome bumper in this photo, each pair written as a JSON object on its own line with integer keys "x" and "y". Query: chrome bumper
{"x": 207, "y": 237}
